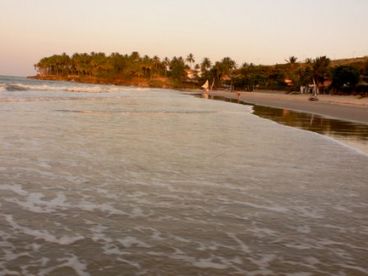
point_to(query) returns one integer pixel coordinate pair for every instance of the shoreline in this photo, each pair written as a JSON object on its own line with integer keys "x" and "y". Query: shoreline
{"x": 159, "y": 82}
{"x": 346, "y": 108}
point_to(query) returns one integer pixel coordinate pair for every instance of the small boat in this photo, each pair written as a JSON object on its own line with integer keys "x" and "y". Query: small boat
{"x": 206, "y": 86}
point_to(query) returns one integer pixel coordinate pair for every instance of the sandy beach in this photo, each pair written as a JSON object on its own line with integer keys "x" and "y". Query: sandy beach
{"x": 349, "y": 108}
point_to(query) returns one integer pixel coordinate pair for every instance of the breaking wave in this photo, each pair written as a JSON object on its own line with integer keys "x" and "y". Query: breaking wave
{"x": 90, "y": 88}
{"x": 14, "y": 87}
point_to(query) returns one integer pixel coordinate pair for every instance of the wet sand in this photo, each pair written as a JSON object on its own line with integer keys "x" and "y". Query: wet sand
{"x": 348, "y": 108}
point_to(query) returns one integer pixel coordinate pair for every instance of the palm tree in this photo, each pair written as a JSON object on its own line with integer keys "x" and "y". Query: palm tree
{"x": 228, "y": 65}
{"x": 65, "y": 64}
{"x": 291, "y": 71}
{"x": 206, "y": 65}
{"x": 190, "y": 59}
{"x": 291, "y": 60}
{"x": 320, "y": 67}
{"x": 308, "y": 61}
{"x": 117, "y": 62}
{"x": 177, "y": 68}
{"x": 134, "y": 56}
{"x": 316, "y": 70}
{"x": 166, "y": 64}
{"x": 98, "y": 63}
{"x": 156, "y": 64}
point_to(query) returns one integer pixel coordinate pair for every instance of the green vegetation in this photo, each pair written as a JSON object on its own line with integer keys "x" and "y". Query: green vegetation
{"x": 345, "y": 78}
{"x": 340, "y": 76}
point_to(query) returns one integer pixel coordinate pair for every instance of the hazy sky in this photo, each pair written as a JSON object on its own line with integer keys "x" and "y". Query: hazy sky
{"x": 258, "y": 31}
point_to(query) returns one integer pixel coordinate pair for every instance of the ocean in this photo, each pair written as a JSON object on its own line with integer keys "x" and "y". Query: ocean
{"x": 110, "y": 180}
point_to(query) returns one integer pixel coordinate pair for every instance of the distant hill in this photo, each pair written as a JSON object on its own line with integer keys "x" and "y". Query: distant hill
{"x": 349, "y": 61}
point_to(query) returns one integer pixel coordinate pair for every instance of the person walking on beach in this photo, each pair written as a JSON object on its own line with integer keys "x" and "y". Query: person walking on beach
{"x": 315, "y": 92}
{"x": 238, "y": 95}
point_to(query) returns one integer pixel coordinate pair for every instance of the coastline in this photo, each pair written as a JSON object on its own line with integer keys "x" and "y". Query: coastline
{"x": 346, "y": 108}
{"x": 154, "y": 82}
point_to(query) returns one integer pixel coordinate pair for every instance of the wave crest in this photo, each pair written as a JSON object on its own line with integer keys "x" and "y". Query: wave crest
{"x": 44, "y": 87}
{"x": 14, "y": 87}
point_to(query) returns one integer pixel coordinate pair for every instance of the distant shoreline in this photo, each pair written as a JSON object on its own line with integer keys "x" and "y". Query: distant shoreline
{"x": 347, "y": 108}
{"x": 138, "y": 82}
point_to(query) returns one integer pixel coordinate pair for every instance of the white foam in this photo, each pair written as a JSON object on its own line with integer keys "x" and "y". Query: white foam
{"x": 137, "y": 212}
{"x": 299, "y": 246}
{"x": 240, "y": 243}
{"x": 8, "y": 249}
{"x": 105, "y": 207}
{"x": 308, "y": 212}
{"x": 155, "y": 234}
{"x": 43, "y": 234}
{"x": 34, "y": 203}
{"x": 264, "y": 261}
{"x": 355, "y": 147}
{"x": 278, "y": 209}
{"x": 17, "y": 189}
{"x": 208, "y": 263}
{"x": 132, "y": 241}
{"x": 72, "y": 262}
{"x": 111, "y": 249}
{"x": 98, "y": 233}
{"x": 131, "y": 263}
{"x": 86, "y": 88}
{"x": 76, "y": 264}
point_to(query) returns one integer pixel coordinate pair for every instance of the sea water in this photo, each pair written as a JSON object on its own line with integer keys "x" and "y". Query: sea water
{"x": 107, "y": 180}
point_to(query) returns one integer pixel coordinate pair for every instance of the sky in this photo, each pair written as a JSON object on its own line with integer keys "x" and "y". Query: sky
{"x": 257, "y": 31}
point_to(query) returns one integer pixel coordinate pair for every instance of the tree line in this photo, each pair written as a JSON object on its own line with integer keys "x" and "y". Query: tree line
{"x": 185, "y": 72}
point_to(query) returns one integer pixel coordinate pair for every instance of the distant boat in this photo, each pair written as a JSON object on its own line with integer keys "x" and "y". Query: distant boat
{"x": 206, "y": 86}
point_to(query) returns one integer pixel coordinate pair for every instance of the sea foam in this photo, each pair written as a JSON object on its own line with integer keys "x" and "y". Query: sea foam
{"x": 86, "y": 88}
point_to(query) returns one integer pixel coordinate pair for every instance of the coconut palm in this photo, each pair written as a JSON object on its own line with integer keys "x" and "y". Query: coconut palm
{"x": 190, "y": 59}
{"x": 177, "y": 68}
{"x": 320, "y": 67}
{"x": 228, "y": 65}
{"x": 205, "y": 65}
{"x": 291, "y": 60}
{"x": 156, "y": 64}
{"x": 166, "y": 65}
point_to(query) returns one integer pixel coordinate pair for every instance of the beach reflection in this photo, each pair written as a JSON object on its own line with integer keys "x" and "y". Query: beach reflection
{"x": 350, "y": 133}
{"x": 354, "y": 134}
